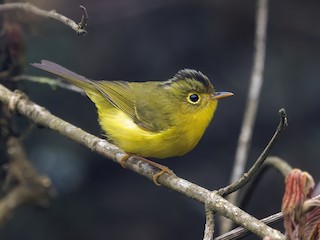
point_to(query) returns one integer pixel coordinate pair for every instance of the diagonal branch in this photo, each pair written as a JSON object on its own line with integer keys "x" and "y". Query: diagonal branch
{"x": 213, "y": 201}
{"x": 79, "y": 28}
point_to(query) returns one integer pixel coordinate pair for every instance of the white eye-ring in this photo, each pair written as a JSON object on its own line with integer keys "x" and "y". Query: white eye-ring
{"x": 193, "y": 98}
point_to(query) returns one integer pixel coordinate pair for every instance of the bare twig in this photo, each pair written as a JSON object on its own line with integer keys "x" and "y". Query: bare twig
{"x": 209, "y": 225}
{"x": 212, "y": 200}
{"x": 284, "y": 168}
{"x": 254, "y": 93}
{"x": 240, "y": 231}
{"x": 253, "y": 170}
{"x": 79, "y": 28}
{"x": 84, "y": 19}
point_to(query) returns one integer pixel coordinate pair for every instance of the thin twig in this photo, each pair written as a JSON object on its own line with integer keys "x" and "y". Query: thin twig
{"x": 284, "y": 168}
{"x": 84, "y": 19}
{"x": 79, "y": 28}
{"x": 254, "y": 169}
{"x": 256, "y": 82}
{"x": 240, "y": 231}
{"x": 209, "y": 225}
{"x": 213, "y": 201}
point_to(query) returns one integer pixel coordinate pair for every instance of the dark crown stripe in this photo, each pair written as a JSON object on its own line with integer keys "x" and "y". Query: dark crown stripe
{"x": 189, "y": 74}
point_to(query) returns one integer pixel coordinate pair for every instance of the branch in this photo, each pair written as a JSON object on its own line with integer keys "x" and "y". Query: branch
{"x": 284, "y": 168}
{"x": 79, "y": 28}
{"x": 240, "y": 231}
{"x": 213, "y": 201}
{"x": 254, "y": 93}
{"x": 209, "y": 226}
{"x": 254, "y": 169}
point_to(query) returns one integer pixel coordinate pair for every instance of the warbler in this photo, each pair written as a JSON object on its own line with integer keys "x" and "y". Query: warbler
{"x": 158, "y": 119}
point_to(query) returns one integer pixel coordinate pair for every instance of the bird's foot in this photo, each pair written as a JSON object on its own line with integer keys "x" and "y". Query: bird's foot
{"x": 163, "y": 169}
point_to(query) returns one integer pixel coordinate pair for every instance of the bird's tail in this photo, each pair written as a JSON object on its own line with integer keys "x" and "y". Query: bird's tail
{"x": 65, "y": 74}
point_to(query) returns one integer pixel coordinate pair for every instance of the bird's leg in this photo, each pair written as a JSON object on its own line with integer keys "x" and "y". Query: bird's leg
{"x": 163, "y": 169}
{"x": 123, "y": 160}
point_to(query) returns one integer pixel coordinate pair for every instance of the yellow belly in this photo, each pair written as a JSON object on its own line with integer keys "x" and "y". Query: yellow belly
{"x": 174, "y": 141}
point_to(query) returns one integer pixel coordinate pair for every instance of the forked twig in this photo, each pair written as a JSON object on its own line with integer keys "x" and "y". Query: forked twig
{"x": 79, "y": 28}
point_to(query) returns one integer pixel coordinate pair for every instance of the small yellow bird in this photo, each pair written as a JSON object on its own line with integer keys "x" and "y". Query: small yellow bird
{"x": 152, "y": 119}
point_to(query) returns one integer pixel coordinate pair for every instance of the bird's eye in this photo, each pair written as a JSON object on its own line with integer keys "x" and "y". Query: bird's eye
{"x": 193, "y": 98}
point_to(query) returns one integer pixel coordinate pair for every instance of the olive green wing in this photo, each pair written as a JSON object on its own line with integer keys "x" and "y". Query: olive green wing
{"x": 138, "y": 100}
{"x": 119, "y": 94}
{"x": 152, "y": 107}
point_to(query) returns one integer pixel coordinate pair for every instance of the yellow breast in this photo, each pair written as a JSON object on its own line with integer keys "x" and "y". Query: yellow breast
{"x": 177, "y": 140}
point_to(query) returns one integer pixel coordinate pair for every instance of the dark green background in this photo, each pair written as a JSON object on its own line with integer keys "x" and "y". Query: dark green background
{"x": 142, "y": 40}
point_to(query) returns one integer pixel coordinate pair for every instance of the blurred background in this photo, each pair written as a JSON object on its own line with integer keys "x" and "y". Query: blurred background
{"x": 138, "y": 40}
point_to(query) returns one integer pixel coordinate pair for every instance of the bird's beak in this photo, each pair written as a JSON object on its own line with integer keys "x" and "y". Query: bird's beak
{"x": 218, "y": 95}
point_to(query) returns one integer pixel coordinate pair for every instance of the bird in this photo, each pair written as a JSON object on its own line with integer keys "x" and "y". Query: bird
{"x": 158, "y": 119}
